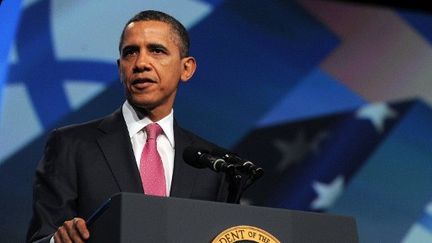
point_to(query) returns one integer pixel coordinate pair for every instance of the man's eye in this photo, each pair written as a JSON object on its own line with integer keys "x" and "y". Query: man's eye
{"x": 158, "y": 51}
{"x": 127, "y": 53}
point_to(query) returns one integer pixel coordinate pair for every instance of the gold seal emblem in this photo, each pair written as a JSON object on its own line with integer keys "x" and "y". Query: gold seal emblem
{"x": 245, "y": 234}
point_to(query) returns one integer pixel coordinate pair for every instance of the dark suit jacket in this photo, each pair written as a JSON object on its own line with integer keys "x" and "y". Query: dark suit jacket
{"x": 84, "y": 165}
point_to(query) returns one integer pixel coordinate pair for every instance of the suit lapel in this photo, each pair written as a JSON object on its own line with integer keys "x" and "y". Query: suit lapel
{"x": 184, "y": 175}
{"x": 116, "y": 146}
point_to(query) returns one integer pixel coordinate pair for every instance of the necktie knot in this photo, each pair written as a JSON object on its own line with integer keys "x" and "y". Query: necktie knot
{"x": 153, "y": 130}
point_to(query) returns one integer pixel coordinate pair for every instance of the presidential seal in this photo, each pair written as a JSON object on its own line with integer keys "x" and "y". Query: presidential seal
{"x": 245, "y": 234}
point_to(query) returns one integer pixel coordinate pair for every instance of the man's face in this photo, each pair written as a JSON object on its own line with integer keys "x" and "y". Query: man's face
{"x": 150, "y": 66}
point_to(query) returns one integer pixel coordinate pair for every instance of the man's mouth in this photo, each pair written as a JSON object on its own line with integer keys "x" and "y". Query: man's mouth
{"x": 142, "y": 80}
{"x": 142, "y": 83}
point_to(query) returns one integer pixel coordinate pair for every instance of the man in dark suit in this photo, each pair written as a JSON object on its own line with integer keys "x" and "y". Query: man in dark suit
{"x": 85, "y": 164}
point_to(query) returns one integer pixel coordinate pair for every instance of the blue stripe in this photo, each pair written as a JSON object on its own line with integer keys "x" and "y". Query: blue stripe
{"x": 426, "y": 221}
{"x": 9, "y": 12}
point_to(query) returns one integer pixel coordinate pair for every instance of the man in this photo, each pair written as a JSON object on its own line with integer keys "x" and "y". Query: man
{"x": 84, "y": 165}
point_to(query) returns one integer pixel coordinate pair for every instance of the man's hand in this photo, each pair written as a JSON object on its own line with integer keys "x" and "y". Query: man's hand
{"x": 74, "y": 230}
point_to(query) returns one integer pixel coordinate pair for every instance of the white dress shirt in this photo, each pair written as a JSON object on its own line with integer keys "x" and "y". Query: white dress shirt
{"x": 165, "y": 141}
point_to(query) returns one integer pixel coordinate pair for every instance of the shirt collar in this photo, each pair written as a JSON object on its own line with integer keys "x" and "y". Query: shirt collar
{"x": 135, "y": 125}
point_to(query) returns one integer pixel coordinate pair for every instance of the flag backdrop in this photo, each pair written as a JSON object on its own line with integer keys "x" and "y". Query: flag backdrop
{"x": 333, "y": 99}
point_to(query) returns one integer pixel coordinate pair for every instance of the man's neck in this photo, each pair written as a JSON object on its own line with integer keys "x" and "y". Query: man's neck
{"x": 154, "y": 115}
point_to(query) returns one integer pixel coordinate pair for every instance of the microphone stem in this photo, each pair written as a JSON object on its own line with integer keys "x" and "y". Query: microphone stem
{"x": 235, "y": 187}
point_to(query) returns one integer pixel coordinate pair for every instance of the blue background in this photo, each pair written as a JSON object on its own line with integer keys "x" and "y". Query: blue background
{"x": 263, "y": 87}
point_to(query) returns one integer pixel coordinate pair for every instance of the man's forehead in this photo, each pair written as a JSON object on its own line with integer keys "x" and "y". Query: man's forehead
{"x": 151, "y": 27}
{"x": 144, "y": 25}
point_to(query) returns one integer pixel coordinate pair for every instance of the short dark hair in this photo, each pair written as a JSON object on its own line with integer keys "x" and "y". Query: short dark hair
{"x": 176, "y": 26}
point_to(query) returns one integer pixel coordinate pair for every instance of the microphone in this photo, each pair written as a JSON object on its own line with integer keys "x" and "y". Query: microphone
{"x": 240, "y": 163}
{"x": 201, "y": 158}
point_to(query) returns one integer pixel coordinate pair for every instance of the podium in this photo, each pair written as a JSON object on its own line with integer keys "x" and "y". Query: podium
{"x": 129, "y": 217}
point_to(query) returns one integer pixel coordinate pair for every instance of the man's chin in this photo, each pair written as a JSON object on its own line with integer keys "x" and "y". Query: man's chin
{"x": 143, "y": 104}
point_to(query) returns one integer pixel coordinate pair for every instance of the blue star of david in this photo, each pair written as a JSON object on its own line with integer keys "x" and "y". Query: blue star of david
{"x": 40, "y": 70}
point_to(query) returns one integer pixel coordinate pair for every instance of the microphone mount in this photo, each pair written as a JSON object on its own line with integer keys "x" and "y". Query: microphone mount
{"x": 241, "y": 173}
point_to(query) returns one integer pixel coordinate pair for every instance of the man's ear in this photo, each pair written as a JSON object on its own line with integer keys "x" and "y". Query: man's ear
{"x": 189, "y": 67}
{"x": 118, "y": 70}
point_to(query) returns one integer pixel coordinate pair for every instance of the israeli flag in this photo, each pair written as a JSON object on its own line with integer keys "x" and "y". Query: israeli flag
{"x": 63, "y": 55}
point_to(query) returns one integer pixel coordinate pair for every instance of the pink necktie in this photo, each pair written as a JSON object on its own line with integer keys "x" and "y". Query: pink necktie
{"x": 151, "y": 167}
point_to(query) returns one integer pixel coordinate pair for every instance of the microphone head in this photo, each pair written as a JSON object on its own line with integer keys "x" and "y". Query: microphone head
{"x": 229, "y": 156}
{"x": 192, "y": 155}
{"x": 221, "y": 152}
{"x": 258, "y": 172}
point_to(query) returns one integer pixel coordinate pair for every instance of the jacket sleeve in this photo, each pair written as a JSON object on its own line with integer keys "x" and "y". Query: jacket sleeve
{"x": 54, "y": 189}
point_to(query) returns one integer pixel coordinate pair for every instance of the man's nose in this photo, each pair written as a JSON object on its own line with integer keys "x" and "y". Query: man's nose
{"x": 142, "y": 63}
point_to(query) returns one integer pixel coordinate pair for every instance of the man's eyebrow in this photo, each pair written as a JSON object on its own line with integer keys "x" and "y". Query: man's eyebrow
{"x": 130, "y": 47}
{"x": 157, "y": 46}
